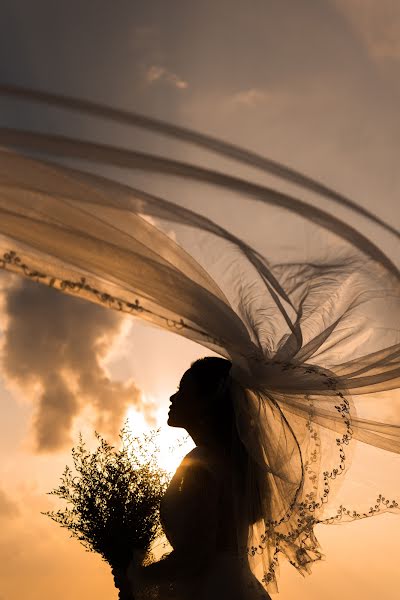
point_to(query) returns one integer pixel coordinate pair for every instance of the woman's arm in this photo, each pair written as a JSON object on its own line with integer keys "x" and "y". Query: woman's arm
{"x": 197, "y": 543}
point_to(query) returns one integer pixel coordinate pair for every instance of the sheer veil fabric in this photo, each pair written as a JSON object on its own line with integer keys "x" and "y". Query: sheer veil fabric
{"x": 295, "y": 284}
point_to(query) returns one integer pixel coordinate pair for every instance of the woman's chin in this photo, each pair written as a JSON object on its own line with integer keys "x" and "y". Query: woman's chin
{"x": 170, "y": 421}
{"x": 173, "y": 422}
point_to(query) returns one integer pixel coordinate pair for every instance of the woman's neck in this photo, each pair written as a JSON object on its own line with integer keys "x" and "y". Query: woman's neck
{"x": 208, "y": 439}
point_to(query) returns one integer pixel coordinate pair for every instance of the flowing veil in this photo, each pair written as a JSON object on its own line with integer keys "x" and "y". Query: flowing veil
{"x": 294, "y": 283}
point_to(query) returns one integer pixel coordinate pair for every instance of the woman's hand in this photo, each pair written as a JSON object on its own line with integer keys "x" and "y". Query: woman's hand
{"x": 125, "y": 577}
{"x": 134, "y": 566}
{"x": 119, "y": 576}
{"x": 122, "y": 582}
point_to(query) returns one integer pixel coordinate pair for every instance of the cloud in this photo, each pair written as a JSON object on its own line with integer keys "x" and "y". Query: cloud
{"x": 156, "y": 73}
{"x": 250, "y": 97}
{"x": 53, "y": 346}
{"x": 150, "y": 54}
{"x": 257, "y": 97}
{"x": 378, "y": 23}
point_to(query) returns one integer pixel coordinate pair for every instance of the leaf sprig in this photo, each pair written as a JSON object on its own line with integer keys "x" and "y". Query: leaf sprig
{"x": 113, "y": 499}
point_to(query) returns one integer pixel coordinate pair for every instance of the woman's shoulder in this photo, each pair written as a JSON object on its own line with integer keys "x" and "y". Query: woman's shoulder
{"x": 204, "y": 458}
{"x": 203, "y": 453}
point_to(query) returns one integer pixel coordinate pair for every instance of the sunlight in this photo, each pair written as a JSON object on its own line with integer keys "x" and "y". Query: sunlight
{"x": 174, "y": 443}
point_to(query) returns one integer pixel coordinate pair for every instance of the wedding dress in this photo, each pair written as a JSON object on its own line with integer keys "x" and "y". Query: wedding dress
{"x": 197, "y": 516}
{"x": 291, "y": 281}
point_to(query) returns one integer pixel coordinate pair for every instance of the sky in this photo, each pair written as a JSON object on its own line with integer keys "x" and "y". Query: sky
{"x": 313, "y": 84}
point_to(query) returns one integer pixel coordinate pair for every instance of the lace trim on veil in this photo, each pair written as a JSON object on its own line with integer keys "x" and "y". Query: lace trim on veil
{"x": 286, "y": 288}
{"x": 299, "y": 544}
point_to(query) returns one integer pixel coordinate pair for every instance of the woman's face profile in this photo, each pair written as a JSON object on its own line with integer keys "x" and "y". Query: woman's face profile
{"x": 186, "y": 407}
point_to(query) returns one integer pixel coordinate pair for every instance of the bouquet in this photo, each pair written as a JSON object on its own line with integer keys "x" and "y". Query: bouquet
{"x": 113, "y": 499}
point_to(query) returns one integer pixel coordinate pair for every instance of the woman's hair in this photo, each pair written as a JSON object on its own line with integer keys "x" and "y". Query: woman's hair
{"x": 211, "y": 375}
{"x": 209, "y": 371}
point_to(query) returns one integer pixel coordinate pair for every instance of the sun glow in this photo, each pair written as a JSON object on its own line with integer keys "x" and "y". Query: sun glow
{"x": 174, "y": 443}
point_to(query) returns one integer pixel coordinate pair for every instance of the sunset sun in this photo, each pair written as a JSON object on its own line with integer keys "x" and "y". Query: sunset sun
{"x": 174, "y": 443}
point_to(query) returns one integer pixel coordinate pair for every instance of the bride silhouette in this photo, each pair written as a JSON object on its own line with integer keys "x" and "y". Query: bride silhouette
{"x": 203, "y": 511}
{"x": 293, "y": 284}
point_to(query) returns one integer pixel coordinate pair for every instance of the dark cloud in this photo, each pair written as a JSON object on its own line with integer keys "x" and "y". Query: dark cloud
{"x": 53, "y": 346}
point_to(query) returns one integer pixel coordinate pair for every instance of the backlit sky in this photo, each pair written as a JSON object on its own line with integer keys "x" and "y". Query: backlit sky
{"x": 314, "y": 84}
